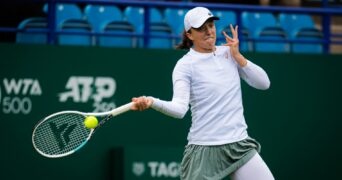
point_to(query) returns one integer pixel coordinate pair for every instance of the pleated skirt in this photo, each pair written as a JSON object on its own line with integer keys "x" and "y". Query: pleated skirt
{"x": 216, "y": 162}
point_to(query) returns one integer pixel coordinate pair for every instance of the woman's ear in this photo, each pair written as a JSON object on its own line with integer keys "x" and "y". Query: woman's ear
{"x": 189, "y": 35}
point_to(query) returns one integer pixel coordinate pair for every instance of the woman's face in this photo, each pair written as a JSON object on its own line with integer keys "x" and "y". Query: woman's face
{"x": 204, "y": 37}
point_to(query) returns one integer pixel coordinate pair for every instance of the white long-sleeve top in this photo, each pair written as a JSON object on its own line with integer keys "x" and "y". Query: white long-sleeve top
{"x": 210, "y": 83}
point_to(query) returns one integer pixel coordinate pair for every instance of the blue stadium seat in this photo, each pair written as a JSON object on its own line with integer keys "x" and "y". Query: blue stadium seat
{"x": 26, "y": 36}
{"x": 65, "y": 12}
{"x": 161, "y": 29}
{"x": 99, "y": 16}
{"x": 135, "y": 16}
{"x": 69, "y": 18}
{"x": 175, "y": 19}
{"x": 226, "y": 18}
{"x": 272, "y": 33}
{"x": 308, "y": 34}
{"x": 264, "y": 26}
{"x": 159, "y": 26}
{"x": 301, "y": 27}
{"x": 109, "y": 19}
{"x": 292, "y": 23}
{"x": 122, "y": 27}
{"x": 255, "y": 22}
{"x": 156, "y": 16}
{"x": 77, "y": 26}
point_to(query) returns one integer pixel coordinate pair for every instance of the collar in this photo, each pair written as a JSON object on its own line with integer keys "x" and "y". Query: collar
{"x": 201, "y": 55}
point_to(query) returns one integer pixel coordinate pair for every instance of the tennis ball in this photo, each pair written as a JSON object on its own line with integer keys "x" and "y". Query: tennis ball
{"x": 90, "y": 122}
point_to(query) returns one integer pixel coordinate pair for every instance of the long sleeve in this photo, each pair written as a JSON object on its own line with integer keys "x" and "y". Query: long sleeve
{"x": 179, "y": 105}
{"x": 255, "y": 76}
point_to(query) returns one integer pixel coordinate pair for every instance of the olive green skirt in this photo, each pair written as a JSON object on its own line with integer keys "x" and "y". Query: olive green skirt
{"x": 216, "y": 162}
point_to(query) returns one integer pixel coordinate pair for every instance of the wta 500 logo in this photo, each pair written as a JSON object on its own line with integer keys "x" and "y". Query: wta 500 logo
{"x": 16, "y": 97}
{"x": 82, "y": 89}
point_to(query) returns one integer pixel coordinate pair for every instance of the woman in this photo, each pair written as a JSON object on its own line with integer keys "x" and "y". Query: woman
{"x": 208, "y": 78}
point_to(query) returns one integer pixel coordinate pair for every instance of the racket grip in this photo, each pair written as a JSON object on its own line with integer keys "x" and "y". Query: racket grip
{"x": 121, "y": 109}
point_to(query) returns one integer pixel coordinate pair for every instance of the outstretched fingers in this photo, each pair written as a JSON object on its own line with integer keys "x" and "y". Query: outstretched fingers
{"x": 228, "y": 38}
{"x": 231, "y": 40}
{"x": 234, "y": 31}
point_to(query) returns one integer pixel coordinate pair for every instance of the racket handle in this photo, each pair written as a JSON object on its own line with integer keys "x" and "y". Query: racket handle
{"x": 121, "y": 109}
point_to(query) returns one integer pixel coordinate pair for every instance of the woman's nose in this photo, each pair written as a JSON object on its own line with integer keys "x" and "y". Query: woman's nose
{"x": 209, "y": 30}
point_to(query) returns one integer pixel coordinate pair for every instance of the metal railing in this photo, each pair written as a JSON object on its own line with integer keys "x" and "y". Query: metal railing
{"x": 325, "y": 12}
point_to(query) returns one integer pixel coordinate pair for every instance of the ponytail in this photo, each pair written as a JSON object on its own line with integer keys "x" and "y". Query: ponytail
{"x": 186, "y": 42}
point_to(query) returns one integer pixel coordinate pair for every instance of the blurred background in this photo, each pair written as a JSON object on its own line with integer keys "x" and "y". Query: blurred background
{"x": 95, "y": 55}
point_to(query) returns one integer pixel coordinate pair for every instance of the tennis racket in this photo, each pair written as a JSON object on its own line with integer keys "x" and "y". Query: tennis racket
{"x": 63, "y": 133}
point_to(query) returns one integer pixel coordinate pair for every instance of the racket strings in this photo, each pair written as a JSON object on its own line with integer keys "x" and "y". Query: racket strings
{"x": 60, "y": 133}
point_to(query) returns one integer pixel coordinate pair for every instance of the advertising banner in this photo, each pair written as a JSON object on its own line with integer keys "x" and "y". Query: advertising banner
{"x": 297, "y": 120}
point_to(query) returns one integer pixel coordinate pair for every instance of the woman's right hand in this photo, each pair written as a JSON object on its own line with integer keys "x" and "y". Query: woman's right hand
{"x": 141, "y": 103}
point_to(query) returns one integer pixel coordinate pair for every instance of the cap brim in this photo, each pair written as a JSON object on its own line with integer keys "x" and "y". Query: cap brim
{"x": 210, "y": 18}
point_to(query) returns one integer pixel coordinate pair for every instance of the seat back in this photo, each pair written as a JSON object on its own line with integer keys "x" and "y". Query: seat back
{"x": 264, "y": 26}
{"x": 28, "y": 25}
{"x": 272, "y": 33}
{"x": 76, "y": 27}
{"x": 255, "y": 22}
{"x": 65, "y": 12}
{"x": 135, "y": 16}
{"x": 160, "y": 29}
{"x": 175, "y": 19}
{"x": 301, "y": 27}
{"x": 293, "y": 23}
{"x": 156, "y": 16}
{"x": 308, "y": 34}
{"x": 100, "y": 15}
{"x": 124, "y": 40}
{"x": 226, "y": 18}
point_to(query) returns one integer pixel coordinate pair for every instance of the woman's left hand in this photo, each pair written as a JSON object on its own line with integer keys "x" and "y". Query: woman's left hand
{"x": 233, "y": 43}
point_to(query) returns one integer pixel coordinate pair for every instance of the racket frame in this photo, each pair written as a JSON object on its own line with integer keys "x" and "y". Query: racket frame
{"x": 109, "y": 114}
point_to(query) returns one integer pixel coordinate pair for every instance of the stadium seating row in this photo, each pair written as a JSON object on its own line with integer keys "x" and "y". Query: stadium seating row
{"x": 124, "y": 28}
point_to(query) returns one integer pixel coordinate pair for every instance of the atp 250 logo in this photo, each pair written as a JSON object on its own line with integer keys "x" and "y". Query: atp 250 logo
{"x": 82, "y": 89}
{"x": 16, "y": 95}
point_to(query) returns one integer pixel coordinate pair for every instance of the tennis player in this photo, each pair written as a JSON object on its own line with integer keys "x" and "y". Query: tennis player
{"x": 208, "y": 78}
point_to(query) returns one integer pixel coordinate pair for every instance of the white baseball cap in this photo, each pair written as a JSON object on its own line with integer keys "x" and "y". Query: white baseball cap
{"x": 196, "y": 17}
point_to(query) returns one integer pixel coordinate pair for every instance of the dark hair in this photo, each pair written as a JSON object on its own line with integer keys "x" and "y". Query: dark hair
{"x": 186, "y": 42}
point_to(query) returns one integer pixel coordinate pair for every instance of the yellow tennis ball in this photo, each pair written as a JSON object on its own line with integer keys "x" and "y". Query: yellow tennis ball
{"x": 90, "y": 122}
